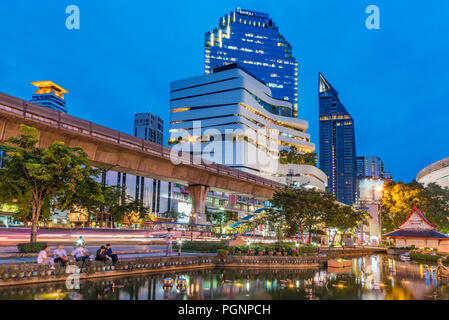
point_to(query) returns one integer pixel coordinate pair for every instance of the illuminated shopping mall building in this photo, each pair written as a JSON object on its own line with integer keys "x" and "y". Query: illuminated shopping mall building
{"x": 252, "y": 40}
{"x": 437, "y": 172}
{"x": 241, "y": 125}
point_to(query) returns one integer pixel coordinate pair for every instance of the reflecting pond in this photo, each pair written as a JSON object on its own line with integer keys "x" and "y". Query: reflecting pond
{"x": 371, "y": 277}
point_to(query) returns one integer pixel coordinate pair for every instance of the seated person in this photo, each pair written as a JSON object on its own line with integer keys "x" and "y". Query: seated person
{"x": 60, "y": 256}
{"x": 42, "y": 257}
{"x": 80, "y": 254}
{"x": 101, "y": 254}
{"x": 111, "y": 255}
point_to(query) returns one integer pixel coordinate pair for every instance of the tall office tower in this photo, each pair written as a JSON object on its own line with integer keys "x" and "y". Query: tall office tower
{"x": 229, "y": 117}
{"x": 371, "y": 167}
{"x": 49, "y": 95}
{"x": 149, "y": 127}
{"x": 252, "y": 40}
{"x": 337, "y": 144}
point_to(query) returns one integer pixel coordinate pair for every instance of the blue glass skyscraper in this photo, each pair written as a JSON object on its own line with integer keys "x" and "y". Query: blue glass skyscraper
{"x": 253, "y": 41}
{"x": 337, "y": 144}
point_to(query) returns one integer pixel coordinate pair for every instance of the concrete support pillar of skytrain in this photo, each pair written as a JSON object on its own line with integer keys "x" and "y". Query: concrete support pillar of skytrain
{"x": 198, "y": 194}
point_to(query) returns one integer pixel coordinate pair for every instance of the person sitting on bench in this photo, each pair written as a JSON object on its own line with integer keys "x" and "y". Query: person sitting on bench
{"x": 111, "y": 255}
{"x": 81, "y": 254}
{"x": 61, "y": 256}
{"x": 42, "y": 257}
{"x": 101, "y": 254}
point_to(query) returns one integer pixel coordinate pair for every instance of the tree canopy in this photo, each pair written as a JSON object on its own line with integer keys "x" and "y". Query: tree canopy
{"x": 292, "y": 156}
{"x": 399, "y": 198}
{"x": 298, "y": 209}
{"x": 221, "y": 217}
{"x": 35, "y": 178}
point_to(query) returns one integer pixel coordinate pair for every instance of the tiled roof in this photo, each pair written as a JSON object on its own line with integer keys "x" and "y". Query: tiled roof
{"x": 415, "y": 209}
{"x": 425, "y": 234}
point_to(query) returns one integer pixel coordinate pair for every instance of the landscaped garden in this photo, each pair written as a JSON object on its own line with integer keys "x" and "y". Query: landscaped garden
{"x": 253, "y": 249}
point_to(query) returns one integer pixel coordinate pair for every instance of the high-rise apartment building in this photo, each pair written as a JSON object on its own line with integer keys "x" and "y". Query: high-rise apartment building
{"x": 49, "y": 95}
{"x": 252, "y": 40}
{"x": 337, "y": 144}
{"x": 149, "y": 127}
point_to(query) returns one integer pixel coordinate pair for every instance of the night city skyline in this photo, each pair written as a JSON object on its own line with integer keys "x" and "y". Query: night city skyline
{"x": 121, "y": 61}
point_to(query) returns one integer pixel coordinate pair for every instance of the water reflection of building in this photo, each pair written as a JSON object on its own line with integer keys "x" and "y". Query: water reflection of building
{"x": 411, "y": 281}
{"x": 373, "y": 277}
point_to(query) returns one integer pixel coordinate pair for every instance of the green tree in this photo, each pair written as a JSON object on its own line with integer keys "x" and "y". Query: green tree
{"x": 436, "y": 205}
{"x": 397, "y": 201}
{"x": 11, "y": 193}
{"x": 301, "y": 208}
{"x": 293, "y": 156}
{"x": 120, "y": 206}
{"x": 287, "y": 217}
{"x": 221, "y": 217}
{"x": 399, "y": 198}
{"x": 90, "y": 196}
{"x": 343, "y": 218}
{"x": 273, "y": 221}
{"x": 41, "y": 175}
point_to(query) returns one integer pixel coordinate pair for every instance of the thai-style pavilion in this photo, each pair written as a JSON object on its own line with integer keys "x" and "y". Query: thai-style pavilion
{"x": 418, "y": 231}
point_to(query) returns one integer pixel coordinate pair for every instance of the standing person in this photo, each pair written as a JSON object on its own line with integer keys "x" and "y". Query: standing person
{"x": 101, "y": 254}
{"x": 60, "y": 256}
{"x": 109, "y": 253}
{"x": 169, "y": 239}
{"x": 42, "y": 257}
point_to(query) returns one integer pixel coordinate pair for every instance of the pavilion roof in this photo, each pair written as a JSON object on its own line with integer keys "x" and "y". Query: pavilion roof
{"x": 421, "y": 215}
{"x": 421, "y": 234}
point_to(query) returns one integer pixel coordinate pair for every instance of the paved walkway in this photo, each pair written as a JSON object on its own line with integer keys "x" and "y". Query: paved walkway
{"x": 93, "y": 248}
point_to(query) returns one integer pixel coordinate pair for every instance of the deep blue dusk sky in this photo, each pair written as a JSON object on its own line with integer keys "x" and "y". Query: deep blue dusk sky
{"x": 393, "y": 81}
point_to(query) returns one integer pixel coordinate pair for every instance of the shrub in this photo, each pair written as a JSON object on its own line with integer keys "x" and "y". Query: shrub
{"x": 31, "y": 247}
{"x": 222, "y": 253}
{"x": 200, "y": 246}
{"x": 402, "y": 248}
{"x": 424, "y": 257}
{"x": 306, "y": 249}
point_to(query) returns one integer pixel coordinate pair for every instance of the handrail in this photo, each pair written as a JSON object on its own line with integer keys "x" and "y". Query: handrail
{"x": 47, "y": 116}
